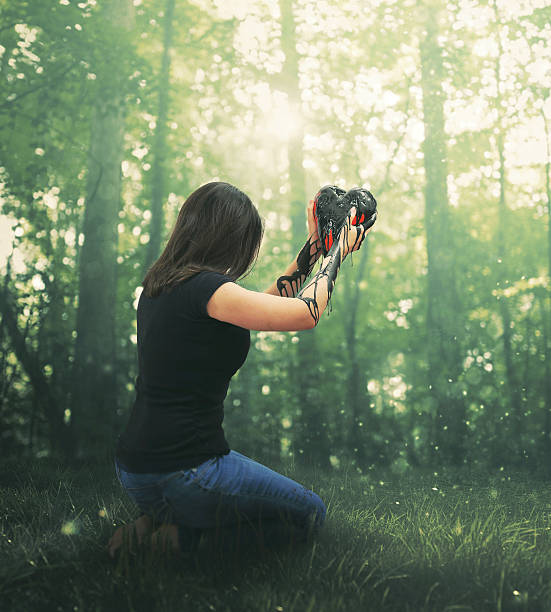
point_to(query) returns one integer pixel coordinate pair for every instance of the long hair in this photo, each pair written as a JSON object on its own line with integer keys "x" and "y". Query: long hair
{"x": 218, "y": 229}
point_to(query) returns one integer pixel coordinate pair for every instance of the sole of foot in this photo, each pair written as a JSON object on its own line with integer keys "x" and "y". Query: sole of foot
{"x": 165, "y": 539}
{"x": 129, "y": 536}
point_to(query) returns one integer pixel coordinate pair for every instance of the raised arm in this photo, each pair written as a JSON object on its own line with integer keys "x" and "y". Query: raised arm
{"x": 290, "y": 283}
{"x": 264, "y": 312}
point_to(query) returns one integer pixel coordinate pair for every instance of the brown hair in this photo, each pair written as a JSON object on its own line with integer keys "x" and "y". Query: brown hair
{"x": 218, "y": 229}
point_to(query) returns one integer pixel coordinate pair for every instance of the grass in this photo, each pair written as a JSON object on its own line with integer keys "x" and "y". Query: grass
{"x": 446, "y": 542}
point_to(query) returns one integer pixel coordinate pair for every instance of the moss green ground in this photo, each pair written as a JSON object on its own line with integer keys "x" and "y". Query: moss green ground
{"x": 451, "y": 541}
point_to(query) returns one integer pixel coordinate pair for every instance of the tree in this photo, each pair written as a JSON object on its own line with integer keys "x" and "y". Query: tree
{"x": 95, "y": 387}
{"x": 312, "y": 439}
{"x": 443, "y": 322}
{"x": 158, "y": 191}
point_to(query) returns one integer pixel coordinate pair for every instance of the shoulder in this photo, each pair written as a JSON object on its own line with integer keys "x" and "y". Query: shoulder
{"x": 201, "y": 279}
{"x": 206, "y": 279}
{"x": 200, "y": 287}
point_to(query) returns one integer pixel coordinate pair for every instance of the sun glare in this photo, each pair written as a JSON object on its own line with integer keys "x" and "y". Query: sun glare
{"x": 280, "y": 121}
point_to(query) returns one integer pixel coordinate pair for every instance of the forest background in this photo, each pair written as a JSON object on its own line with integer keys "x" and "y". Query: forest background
{"x": 436, "y": 350}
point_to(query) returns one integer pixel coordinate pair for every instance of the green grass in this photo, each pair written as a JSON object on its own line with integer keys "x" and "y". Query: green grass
{"x": 446, "y": 542}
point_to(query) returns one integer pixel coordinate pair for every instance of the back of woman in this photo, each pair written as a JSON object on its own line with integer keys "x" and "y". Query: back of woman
{"x": 185, "y": 361}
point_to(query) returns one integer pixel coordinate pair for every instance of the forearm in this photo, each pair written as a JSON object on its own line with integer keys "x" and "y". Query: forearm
{"x": 317, "y": 293}
{"x": 298, "y": 270}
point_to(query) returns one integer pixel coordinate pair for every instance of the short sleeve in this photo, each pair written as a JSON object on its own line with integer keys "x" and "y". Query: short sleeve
{"x": 200, "y": 290}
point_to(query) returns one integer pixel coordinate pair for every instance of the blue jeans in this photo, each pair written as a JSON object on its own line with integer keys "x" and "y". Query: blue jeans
{"x": 230, "y": 490}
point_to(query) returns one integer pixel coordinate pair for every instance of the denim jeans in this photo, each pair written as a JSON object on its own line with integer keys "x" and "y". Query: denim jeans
{"x": 229, "y": 490}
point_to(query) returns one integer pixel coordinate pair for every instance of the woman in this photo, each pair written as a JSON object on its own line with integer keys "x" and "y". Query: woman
{"x": 193, "y": 323}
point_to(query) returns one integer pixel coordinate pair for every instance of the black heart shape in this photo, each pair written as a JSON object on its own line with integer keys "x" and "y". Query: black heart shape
{"x": 331, "y": 207}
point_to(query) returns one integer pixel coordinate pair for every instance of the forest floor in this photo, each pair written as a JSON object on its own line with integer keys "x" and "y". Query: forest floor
{"x": 446, "y": 542}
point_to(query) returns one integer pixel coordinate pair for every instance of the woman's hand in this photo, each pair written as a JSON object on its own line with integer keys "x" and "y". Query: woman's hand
{"x": 352, "y": 236}
{"x": 312, "y": 223}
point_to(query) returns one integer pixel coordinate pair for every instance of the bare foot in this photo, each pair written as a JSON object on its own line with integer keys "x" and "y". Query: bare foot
{"x": 165, "y": 539}
{"x": 128, "y": 534}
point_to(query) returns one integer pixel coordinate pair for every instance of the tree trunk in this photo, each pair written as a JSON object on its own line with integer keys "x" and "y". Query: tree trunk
{"x": 502, "y": 267}
{"x": 311, "y": 440}
{"x": 361, "y": 423}
{"x": 159, "y": 144}
{"x": 95, "y": 386}
{"x": 444, "y": 357}
{"x": 503, "y": 282}
{"x": 547, "y": 390}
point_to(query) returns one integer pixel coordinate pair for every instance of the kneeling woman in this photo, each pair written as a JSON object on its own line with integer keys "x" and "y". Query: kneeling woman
{"x": 193, "y": 324}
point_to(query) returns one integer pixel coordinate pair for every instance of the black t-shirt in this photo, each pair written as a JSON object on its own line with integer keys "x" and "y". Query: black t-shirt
{"x": 186, "y": 360}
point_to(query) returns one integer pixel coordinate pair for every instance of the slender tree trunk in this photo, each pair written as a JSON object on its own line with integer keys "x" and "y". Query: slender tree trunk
{"x": 56, "y": 347}
{"x": 95, "y": 385}
{"x": 361, "y": 423}
{"x": 159, "y": 144}
{"x": 32, "y": 421}
{"x": 237, "y": 418}
{"x": 312, "y": 438}
{"x": 526, "y": 387}
{"x": 547, "y": 390}
{"x": 510, "y": 369}
{"x": 502, "y": 260}
{"x": 444, "y": 356}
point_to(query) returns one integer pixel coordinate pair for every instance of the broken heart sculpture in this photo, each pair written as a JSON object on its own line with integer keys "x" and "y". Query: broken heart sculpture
{"x": 331, "y": 207}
